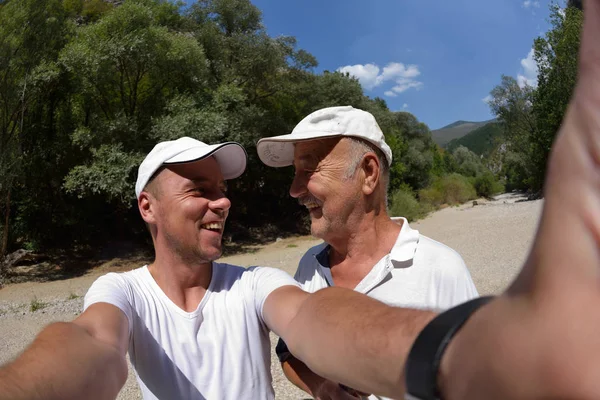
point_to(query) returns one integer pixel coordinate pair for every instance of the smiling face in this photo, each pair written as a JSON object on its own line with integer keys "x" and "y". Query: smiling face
{"x": 321, "y": 183}
{"x": 188, "y": 210}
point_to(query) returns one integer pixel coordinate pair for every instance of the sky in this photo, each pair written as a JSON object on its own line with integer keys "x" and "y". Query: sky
{"x": 437, "y": 59}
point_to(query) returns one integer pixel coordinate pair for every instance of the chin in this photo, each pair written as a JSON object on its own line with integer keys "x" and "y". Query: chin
{"x": 316, "y": 232}
{"x": 214, "y": 255}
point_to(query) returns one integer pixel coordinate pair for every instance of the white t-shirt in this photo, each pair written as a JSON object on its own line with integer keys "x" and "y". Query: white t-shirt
{"x": 219, "y": 351}
{"x": 417, "y": 273}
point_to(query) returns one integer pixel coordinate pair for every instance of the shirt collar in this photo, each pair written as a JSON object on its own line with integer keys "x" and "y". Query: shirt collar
{"x": 404, "y": 250}
{"x": 406, "y": 245}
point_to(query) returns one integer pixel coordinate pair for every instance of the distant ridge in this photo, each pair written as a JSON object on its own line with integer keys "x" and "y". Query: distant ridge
{"x": 481, "y": 141}
{"x": 456, "y": 130}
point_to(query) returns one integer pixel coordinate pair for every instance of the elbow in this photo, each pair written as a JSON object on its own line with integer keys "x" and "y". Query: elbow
{"x": 120, "y": 373}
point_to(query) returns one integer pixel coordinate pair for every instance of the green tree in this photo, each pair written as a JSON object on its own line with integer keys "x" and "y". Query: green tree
{"x": 31, "y": 34}
{"x": 467, "y": 162}
{"x": 126, "y": 66}
{"x": 513, "y": 157}
{"x": 556, "y": 55}
{"x": 418, "y": 155}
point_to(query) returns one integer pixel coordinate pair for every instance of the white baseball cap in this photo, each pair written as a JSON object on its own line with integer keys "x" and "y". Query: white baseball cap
{"x": 231, "y": 157}
{"x": 278, "y": 151}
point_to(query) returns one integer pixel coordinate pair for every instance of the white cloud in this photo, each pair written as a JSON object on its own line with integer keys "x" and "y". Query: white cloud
{"x": 370, "y": 76}
{"x": 366, "y": 74}
{"x": 531, "y": 4}
{"x": 405, "y": 105}
{"x": 404, "y": 84}
{"x": 528, "y": 75}
{"x": 487, "y": 99}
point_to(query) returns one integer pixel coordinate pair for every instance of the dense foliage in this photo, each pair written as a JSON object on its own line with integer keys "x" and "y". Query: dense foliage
{"x": 88, "y": 87}
{"x": 530, "y": 117}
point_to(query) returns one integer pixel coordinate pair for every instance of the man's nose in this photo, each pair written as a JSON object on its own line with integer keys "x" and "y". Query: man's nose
{"x": 298, "y": 187}
{"x": 222, "y": 204}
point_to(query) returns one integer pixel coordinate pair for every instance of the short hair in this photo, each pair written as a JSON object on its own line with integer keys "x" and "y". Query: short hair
{"x": 152, "y": 187}
{"x": 360, "y": 147}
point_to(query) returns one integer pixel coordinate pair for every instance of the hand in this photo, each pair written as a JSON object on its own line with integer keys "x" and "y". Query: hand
{"x": 329, "y": 390}
{"x": 541, "y": 340}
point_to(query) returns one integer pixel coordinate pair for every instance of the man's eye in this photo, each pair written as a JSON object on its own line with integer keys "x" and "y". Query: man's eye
{"x": 304, "y": 171}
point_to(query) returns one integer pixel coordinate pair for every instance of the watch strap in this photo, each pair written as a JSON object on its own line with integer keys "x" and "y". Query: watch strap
{"x": 424, "y": 359}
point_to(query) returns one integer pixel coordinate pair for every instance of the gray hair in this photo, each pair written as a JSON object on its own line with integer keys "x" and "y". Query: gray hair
{"x": 358, "y": 149}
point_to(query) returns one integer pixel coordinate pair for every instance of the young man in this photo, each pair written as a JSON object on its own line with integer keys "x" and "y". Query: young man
{"x": 342, "y": 165}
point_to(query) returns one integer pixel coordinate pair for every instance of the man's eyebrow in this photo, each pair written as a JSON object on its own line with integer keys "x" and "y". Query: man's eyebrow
{"x": 199, "y": 179}
{"x": 204, "y": 179}
{"x": 308, "y": 158}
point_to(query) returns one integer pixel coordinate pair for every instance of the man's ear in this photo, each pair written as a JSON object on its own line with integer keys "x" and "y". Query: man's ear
{"x": 370, "y": 170}
{"x": 146, "y": 205}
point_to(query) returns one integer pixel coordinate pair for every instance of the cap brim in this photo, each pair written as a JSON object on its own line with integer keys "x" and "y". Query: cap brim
{"x": 231, "y": 157}
{"x": 278, "y": 151}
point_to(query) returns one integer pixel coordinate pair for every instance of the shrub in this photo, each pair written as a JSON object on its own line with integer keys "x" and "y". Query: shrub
{"x": 486, "y": 185}
{"x": 450, "y": 189}
{"x": 432, "y": 195}
{"x": 404, "y": 204}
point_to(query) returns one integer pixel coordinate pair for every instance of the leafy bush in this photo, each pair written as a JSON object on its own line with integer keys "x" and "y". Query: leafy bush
{"x": 486, "y": 185}
{"x": 404, "y": 204}
{"x": 450, "y": 189}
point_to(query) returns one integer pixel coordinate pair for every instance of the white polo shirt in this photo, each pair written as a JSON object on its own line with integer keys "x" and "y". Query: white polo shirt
{"x": 417, "y": 273}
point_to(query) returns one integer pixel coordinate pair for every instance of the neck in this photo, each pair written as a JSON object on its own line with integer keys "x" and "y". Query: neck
{"x": 352, "y": 258}
{"x": 184, "y": 283}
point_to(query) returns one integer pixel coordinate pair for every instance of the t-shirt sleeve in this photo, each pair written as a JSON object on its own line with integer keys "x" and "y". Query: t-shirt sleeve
{"x": 266, "y": 280}
{"x": 112, "y": 289}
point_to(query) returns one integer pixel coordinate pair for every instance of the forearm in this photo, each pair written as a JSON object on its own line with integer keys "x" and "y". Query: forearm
{"x": 301, "y": 376}
{"x": 64, "y": 362}
{"x": 350, "y": 338}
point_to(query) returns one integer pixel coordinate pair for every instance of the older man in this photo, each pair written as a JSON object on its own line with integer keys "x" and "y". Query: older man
{"x": 342, "y": 164}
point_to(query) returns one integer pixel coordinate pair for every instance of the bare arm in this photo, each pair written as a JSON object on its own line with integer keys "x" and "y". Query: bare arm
{"x": 301, "y": 376}
{"x": 347, "y": 337}
{"x": 72, "y": 360}
{"x": 318, "y": 387}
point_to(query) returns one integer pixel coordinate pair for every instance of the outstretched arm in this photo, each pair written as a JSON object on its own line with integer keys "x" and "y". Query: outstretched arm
{"x": 83, "y": 359}
{"x": 346, "y": 336}
{"x": 540, "y": 339}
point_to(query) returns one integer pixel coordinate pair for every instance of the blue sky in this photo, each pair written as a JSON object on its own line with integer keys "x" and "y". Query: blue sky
{"x": 442, "y": 57}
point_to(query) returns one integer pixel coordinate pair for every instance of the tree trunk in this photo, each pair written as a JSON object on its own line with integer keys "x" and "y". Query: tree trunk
{"x": 6, "y": 222}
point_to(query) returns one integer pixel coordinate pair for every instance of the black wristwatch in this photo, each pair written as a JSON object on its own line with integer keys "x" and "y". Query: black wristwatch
{"x": 426, "y": 353}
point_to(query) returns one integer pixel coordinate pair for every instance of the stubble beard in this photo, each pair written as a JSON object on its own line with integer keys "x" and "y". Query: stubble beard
{"x": 191, "y": 254}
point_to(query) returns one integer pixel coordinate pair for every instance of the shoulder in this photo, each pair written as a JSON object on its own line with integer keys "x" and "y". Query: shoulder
{"x": 436, "y": 250}
{"x": 116, "y": 280}
{"x": 115, "y": 288}
{"x": 229, "y": 274}
{"x": 441, "y": 258}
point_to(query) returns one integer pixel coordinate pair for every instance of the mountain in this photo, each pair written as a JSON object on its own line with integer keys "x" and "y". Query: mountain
{"x": 456, "y": 130}
{"x": 480, "y": 141}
